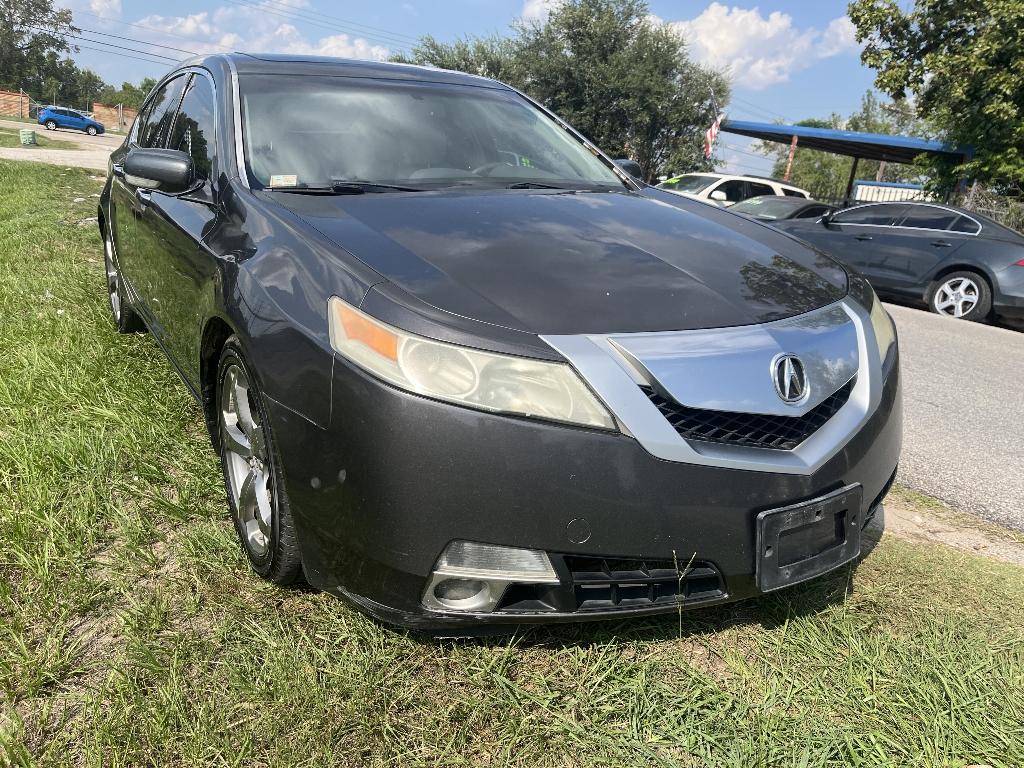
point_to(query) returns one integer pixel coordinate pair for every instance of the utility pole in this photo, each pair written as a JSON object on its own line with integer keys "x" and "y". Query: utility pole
{"x": 792, "y": 153}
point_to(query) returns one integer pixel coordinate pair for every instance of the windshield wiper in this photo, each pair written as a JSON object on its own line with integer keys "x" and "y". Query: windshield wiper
{"x": 537, "y": 185}
{"x": 347, "y": 188}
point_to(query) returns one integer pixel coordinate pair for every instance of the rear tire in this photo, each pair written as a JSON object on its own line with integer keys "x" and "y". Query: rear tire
{"x": 91, "y": 130}
{"x": 120, "y": 309}
{"x": 252, "y": 471}
{"x": 50, "y": 125}
{"x": 965, "y": 295}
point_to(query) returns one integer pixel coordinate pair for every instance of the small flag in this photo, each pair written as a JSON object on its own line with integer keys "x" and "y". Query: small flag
{"x": 711, "y": 134}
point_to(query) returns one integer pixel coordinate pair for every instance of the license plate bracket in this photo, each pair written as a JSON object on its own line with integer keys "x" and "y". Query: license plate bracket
{"x": 805, "y": 540}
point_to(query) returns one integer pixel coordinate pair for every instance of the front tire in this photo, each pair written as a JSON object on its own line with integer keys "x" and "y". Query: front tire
{"x": 964, "y": 295}
{"x": 120, "y": 310}
{"x": 252, "y": 474}
{"x": 91, "y": 130}
{"x": 50, "y": 125}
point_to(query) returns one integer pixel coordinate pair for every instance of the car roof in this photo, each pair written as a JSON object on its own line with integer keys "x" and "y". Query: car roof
{"x": 292, "y": 64}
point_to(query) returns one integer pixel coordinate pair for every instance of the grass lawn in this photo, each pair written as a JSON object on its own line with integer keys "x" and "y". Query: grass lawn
{"x": 9, "y": 138}
{"x": 133, "y": 633}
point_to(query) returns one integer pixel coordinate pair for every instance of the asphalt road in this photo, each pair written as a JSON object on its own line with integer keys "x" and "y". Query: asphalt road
{"x": 963, "y": 398}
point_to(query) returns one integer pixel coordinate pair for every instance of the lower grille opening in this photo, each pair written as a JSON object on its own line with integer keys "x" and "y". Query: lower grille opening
{"x": 600, "y": 584}
{"x": 753, "y": 430}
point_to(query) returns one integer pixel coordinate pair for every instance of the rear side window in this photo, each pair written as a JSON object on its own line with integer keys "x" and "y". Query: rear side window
{"x": 194, "y": 129}
{"x": 811, "y": 213}
{"x": 157, "y": 122}
{"x": 878, "y": 215}
{"x": 756, "y": 190}
{"x": 793, "y": 193}
{"x": 967, "y": 225}
{"x": 734, "y": 190}
{"x": 928, "y": 217}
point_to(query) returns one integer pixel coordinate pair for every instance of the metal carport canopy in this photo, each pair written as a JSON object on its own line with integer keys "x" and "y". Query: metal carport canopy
{"x": 870, "y": 146}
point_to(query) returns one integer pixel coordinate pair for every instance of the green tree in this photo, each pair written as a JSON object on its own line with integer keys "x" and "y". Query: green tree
{"x": 963, "y": 63}
{"x": 622, "y": 80}
{"x": 31, "y": 32}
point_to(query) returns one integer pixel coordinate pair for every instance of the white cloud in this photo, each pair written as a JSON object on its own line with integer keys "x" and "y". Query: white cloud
{"x": 249, "y": 29}
{"x": 108, "y": 9}
{"x": 537, "y": 10}
{"x": 758, "y": 50}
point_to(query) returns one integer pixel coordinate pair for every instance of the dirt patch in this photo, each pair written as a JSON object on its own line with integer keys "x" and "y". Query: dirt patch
{"x": 916, "y": 517}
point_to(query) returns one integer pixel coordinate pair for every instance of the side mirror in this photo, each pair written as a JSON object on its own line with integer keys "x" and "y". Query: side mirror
{"x": 632, "y": 167}
{"x": 163, "y": 170}
{"x": 718, "y": 196}
{"x": 826, "y": 218}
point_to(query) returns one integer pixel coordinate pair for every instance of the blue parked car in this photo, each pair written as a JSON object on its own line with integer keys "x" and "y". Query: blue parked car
{"x": 61, "y": 117}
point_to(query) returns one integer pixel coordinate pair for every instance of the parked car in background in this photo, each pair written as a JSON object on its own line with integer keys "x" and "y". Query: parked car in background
{"x": 961, "y": 263}
{"x": 725, "y": 190}
{"x": 463, "y": 371}
{"x": 775, "y": 208}
{"x": 62, "y": 117}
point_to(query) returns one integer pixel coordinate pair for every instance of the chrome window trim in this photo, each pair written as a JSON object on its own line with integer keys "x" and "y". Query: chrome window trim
{"x": 914, "y": 229}
{"x": 236, "y": 119}
{"x": 616, "y": 381}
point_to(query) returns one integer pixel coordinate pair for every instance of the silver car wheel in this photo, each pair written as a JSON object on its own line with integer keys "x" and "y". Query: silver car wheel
{"x": 957, "y": 297}
{"x": 113, "y": 279}
{"x": 245, "y": 457}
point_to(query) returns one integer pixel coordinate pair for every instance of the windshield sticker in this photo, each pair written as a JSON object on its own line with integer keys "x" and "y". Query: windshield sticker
{"x": 284, "y": 180}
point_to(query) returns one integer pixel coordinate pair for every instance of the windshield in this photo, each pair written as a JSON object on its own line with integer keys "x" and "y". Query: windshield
{"x": 691, "y": 183}
{"x": 769, "y": 207}
{"x": 320, "y": 131}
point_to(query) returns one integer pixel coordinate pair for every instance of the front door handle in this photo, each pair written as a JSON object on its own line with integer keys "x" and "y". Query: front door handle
{"x": 864, "y": 237}
{"x": 941, "y": 244}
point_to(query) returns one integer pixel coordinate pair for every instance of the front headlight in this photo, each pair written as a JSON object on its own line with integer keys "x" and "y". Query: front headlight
{"x": 885, "y": 331}
{"x": 470, "y": 377}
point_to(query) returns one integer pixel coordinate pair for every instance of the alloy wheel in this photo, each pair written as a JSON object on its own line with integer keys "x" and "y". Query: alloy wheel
{"x": 246, "y": 461}
{"x": 957, "y": 297}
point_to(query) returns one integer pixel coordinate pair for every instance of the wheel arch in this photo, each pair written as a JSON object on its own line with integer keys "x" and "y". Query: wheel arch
{"x": 959, "y": 266}
{"x": 216, "y": 331}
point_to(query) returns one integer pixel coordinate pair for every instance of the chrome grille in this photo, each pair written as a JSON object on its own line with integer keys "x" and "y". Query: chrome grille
{"x": 752, "y": 430}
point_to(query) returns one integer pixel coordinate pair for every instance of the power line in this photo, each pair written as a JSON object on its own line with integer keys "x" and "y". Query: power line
{"x": 397, "y": 36}
{"x": 135, "y": 40}
{"x": 322, "y": 25}
{"x": 170, "y": 59}
{"x": 143, "y": 26}
{"x": 122, "y": 55}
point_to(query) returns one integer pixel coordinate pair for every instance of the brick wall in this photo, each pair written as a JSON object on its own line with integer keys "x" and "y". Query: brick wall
{"x": 13, "y": 104}
{"x": 108, "y": 115}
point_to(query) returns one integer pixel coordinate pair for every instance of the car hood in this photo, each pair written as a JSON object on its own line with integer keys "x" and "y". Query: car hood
{"x": 567, "y": 263}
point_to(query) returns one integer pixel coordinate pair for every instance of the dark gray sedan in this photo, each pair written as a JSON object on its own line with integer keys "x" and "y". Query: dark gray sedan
{"x": 961, "y": 263}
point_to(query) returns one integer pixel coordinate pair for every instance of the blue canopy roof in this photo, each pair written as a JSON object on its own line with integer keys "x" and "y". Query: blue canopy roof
{"x": 871, "y": 146}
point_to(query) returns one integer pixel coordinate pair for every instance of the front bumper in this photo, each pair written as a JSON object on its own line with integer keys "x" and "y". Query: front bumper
{"x": 379, "y": 494}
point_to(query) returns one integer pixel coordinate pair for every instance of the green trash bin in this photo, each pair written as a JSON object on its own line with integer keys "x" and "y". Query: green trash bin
{"x": 28, "y": 137}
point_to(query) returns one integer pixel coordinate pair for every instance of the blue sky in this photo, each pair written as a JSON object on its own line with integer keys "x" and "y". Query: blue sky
{"x": 788, "y": 59}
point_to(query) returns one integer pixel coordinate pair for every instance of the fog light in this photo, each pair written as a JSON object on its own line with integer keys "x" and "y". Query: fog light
{"x": 470, "y": 576}
{"x": 462, "y": 594}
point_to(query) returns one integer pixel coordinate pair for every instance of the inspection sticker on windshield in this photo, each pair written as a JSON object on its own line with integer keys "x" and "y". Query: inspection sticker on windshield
{"x": 284, "y": 180}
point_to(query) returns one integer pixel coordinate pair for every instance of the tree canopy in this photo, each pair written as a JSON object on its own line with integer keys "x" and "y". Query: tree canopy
{"x": 963, "y": 63}
{"x": 35, "y": 41}
{"x": 620, "y": 78}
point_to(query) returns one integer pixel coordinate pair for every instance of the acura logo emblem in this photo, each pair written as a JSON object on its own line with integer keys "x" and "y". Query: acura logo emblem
{"x": 790, "y": 378}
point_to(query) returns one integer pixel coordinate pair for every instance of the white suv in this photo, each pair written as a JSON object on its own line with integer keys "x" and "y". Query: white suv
{"x": 725, "y": 190}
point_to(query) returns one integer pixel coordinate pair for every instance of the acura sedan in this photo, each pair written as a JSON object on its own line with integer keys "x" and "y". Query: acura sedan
{"x": 960, "y": 263}
{"x": 462, "y": 371}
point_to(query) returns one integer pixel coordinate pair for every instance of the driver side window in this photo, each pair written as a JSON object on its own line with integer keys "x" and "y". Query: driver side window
{"x": 155, "y": 123}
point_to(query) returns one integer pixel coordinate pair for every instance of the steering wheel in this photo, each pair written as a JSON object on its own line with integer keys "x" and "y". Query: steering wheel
{"x": 486, "y": 168}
